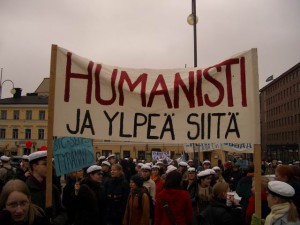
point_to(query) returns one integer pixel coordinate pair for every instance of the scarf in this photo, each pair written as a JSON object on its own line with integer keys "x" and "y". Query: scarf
{"x": 277, "y": 211}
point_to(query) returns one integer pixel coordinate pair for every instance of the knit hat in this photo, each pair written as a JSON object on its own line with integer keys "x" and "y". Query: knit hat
{"x": 138, "y": 180}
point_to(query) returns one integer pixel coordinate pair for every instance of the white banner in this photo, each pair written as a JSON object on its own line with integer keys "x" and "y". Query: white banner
{"x": 217, "y": 104}
{"x": 160, "y": 155}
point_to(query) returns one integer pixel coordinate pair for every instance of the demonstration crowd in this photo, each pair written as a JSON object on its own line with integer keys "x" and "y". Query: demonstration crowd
{"x": 160, "y": 193}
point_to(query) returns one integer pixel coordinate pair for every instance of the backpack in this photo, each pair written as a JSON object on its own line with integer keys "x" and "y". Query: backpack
{"x": 140, "y": 198}
{"x": 10, "y": 174}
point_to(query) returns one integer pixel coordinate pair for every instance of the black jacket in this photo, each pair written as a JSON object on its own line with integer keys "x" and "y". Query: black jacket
{"x": 219, "y": 214}
{"x": 90, "y": 204}
{"x": 117, "y": 192}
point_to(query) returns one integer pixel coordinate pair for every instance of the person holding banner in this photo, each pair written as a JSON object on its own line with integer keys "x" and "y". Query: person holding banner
{"x": 90, "y": 199}
{"x": 37, "y": 187}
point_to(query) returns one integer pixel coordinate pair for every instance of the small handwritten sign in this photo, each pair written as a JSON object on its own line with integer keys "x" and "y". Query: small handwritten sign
{"x": 72, "y": 153}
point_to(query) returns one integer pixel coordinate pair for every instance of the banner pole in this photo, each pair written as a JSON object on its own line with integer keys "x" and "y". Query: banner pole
{"x": 257, "y": 180}
{"x": 50, "y": 126}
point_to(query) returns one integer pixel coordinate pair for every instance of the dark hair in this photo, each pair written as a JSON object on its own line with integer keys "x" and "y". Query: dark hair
{"x": 250, "y": 169}
{"x": 173, "y": 180}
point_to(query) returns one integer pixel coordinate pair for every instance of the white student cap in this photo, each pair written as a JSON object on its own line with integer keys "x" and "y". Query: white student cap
{"x": 203, "y": 173}
{"x": 212, "y": 171}
{"x": 110, "y": 156}
{"x": 183, "y": 164}
{"x": 192, "y": 170}
{"x": 155, "y": 167}
{"x": 206, "y": 161}
{"x": 4, "y": 158}
{"x": 106, "y": 163}
{"x": 102, "y": 157}
{"x": 170, "y": 169}
{"x": 215, "y": 168}
{"x": 37, "y": 155}
{"x": 93, "y": 169}
{"x": 281, "y": 189}
{"x": 146, "y": 167}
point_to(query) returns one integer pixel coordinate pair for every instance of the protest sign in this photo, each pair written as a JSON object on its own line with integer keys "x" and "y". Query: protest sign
{"x": 72, "y": 154}
{"x": 160, "y": 155}
{"x": 188, "y": 105}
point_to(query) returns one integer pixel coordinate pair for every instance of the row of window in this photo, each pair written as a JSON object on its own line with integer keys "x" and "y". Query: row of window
{"x": 289, "y": 106}
{"x": 287, "y": 79}
{"x": 289, "y": 136}
{"x": 16, "y": 131}
{"x": 289, "y": 92}
{"x": 28, "y": 115}
{"x": 282, "y": 122}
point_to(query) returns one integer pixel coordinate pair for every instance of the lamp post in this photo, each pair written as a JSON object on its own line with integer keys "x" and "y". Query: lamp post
{"x": 13, "y": 91}
{"x": 192, "y": 20}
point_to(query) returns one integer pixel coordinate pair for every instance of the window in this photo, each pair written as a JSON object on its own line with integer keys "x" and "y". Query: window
{"x": 3, "y": 114}
{"x": 28, "y": 115}
{"x": 41, "y": 134}
{"x": 15, "y": 134}
{"x": 2, "y": 133}
{"x": 16, "y": 114}
{"x": 27, "y": 133}
{"x": 42, "y": 115}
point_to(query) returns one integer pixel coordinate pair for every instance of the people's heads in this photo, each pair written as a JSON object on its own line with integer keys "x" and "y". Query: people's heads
{"x": 296, "y": 170}
{"x": 38, "y": 163}
{"x": 182, "y": 167}
{"x": 5, "y": 159}
{"x": 105, "y": 165}
{"x": 15, "y": 198}
{"x": 192, "y": 174}
{"x": 146, "y": 172}
{"x": 136, "y": 181}
{"x": 250, "y": 169}
{"x": 116, "y": 171}
{"x": 279, "y": 192}
{"x": 264, "y": 184}
{"x": 155, "y": 171}
{"x": 95, "y": 173}
{"x": 236, "y": 167}
{"x": 217, "y": 171}
{"x": 25, "y": 161}
{"x": 206, "y": 164}
{"x": 111, "y": 159}
{"x": 220, "y": 190}
{"x": 173, "y": 180}
{"x": 191, "y": 163}
{"x": 284, "y": 173}
{"x": 204, "y": 178}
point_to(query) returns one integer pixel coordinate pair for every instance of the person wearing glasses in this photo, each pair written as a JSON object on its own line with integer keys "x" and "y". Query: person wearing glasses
{"x": 16, "y": 206}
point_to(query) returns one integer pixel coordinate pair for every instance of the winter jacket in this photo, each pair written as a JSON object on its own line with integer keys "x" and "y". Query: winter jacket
{"x": 265, "y": 210}
{"x": 219, "y": 214}
{"x": 90, "y": 204}
{"x": 137, "y": 210}
{"x": 38, "y": 196}
{"x": 180, "y": 205}
{"x": 244, "y": 190}
{"x": 117, "y": 191}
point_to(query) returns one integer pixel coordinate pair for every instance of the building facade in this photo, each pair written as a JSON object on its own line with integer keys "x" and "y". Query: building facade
{"x": 280, "y": 117}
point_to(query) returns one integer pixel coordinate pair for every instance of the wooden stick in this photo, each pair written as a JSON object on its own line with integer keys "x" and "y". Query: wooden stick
{"x": 257, "y": 180}
{"x": 50, "y": 126}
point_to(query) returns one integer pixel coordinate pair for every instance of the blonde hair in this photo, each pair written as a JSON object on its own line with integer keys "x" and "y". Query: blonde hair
{"x": 292, "y": 213}
{"x": 20, "y": 186}
{"x": 219, "y": 189}
{"x": 118, "y": 167}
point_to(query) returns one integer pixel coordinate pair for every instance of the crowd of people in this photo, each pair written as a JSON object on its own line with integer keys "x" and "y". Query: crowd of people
{"x": 127, "y": 192}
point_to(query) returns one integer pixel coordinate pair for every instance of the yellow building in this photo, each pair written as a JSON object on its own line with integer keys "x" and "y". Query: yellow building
{"x": 23, "y": 118}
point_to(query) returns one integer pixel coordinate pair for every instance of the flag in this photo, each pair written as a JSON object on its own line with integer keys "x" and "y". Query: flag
{"x": 269, "y": 78}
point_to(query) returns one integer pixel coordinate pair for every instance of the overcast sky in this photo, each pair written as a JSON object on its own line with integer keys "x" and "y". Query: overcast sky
{"x": 145, "y": 34}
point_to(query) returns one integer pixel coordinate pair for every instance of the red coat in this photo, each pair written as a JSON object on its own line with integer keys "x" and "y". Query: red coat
{"x": 180, "y": 206}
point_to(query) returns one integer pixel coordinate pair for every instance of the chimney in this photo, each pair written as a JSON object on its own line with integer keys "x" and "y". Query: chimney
{"x": 18, "y": 92}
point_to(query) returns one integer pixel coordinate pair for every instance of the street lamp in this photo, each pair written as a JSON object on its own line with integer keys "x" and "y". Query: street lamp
{"x": 13, "y": 90}
{"x": 192, "y": 20}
